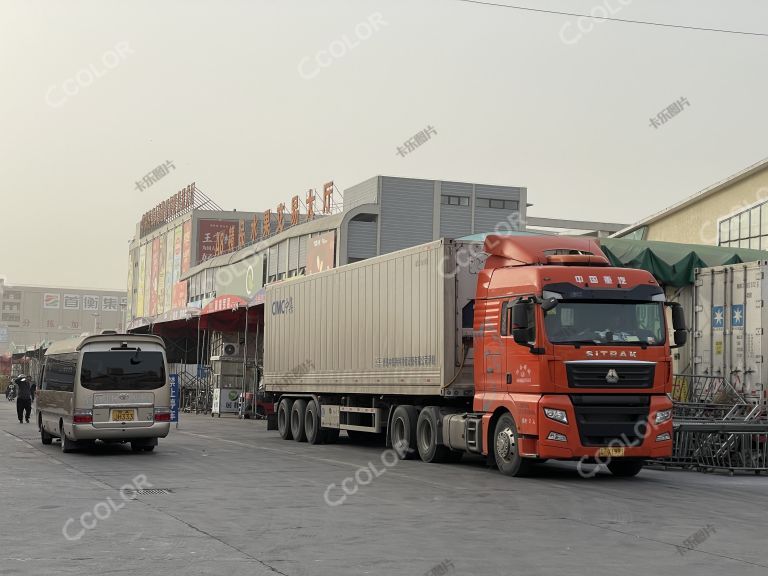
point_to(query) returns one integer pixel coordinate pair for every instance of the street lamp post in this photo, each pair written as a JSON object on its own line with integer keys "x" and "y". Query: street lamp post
{"x": 95, "y": 318}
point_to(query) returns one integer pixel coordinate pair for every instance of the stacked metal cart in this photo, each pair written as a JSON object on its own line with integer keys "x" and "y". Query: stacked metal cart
{"x": 716, "y": 427}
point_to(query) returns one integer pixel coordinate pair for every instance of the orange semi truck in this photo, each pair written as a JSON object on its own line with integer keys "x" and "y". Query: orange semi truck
{"x": 521, "y": 349}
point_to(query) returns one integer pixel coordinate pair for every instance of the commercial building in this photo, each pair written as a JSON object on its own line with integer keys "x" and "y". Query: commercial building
{"x": 379, "y": 215}
{"x": 731, "y": 213}
{"x": 32, "y": 315}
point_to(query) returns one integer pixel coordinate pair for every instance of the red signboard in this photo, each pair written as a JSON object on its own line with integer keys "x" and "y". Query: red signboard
{"x": 207, "y": 231}
{"x": 186, "y": 254}
{"x": 180, "y": 295}
{"x": 224, "y": 303}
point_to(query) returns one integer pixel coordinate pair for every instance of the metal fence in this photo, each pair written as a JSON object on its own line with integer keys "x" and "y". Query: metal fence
{"x": 716, "y": 428}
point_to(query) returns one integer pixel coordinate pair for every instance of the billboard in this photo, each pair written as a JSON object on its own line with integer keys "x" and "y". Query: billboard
{"x": 186, "y": 250}
{"x": 161, "y": 276}
{"x": 153, "y": 276}
{"x": 177, "y": 234}
{"x": 141, "y": 281}
{"x": 243, "y": 278}
{"x": 206, "y": 236}
{"x": 320, "y": 252}
{"x": 180, "y": 295}
{"x": 169, "y": 248}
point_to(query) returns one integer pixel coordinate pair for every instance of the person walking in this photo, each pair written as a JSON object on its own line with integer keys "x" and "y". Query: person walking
{"x": 23, "y": 398}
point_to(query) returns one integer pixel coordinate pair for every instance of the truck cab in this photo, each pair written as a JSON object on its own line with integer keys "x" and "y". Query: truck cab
{"x": 572, "y": 356}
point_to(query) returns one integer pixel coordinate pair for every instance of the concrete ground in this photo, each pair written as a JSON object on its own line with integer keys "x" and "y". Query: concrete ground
{"x": 243, "y": 501}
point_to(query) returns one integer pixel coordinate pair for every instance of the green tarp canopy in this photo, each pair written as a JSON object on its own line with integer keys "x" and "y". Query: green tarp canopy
{"x": 673, "y": 264}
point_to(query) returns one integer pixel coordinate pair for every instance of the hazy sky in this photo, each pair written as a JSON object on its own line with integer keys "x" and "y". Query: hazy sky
{"x": 231, "y": 92}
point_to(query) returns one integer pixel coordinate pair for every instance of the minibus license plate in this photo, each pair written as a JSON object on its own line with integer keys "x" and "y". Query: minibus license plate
{"x": 611, "y": 451}
{"x": 122, "y": 415}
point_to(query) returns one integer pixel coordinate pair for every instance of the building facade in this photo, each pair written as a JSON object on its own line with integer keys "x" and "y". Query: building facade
{"x": 732, "y": 213}
{"x": 380, "y": 215}
{"x": 32, "y": 315}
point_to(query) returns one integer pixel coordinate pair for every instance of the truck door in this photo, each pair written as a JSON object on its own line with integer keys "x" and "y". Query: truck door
{"x": 493, "y": 347}
{"x": 520, "y": 364}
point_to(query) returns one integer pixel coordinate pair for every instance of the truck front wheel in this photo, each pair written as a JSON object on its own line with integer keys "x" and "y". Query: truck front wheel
{"x": 284, "y": 419}
{"x": 506, "y": 448}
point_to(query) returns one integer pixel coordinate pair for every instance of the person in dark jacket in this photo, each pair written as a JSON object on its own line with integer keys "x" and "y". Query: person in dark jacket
{"x": 24, "y": 398}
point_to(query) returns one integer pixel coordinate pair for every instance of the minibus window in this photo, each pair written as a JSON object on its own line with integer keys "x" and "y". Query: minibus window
{"x": 117, "y": 370}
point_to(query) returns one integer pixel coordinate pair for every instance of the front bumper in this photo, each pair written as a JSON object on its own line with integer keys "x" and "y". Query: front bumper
{"x": 575, "y": 448}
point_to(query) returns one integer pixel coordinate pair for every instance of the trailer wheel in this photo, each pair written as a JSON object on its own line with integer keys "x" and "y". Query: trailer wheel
{"x": 625, "y": 468}
{"x": 312, "y": 423}
{"x": 403, "y": 425}
{"x": 426, "y": 436}
{"x": 505, "y": 448}
{"x": 284, "y": 418}
{"x": 298, "y": 411}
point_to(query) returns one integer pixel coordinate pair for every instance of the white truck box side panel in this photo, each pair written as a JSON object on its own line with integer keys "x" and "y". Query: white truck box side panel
{"x": 384, "y": 325}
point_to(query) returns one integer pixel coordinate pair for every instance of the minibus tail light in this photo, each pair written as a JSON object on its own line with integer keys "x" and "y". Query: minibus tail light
{"x": 162, "y": 415}
{"x": 82, "y": 417}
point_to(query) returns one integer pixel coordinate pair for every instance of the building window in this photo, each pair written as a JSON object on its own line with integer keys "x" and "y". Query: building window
{"x": 747, "y": 229}
{"x": 454, "y": 200}
{"x": 497, "y": 204}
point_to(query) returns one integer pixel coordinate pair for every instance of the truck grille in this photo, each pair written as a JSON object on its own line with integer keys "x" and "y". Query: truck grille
{"x": 602, "y": 419}
{"x": 610, "y": 374}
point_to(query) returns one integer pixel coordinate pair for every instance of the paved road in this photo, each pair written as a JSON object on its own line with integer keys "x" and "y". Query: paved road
{"x": 243, "y": 501}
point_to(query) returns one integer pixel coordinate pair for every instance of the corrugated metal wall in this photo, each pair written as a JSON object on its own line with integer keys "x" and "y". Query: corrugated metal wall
{"x": 272, "y": 261}
{"x": 361, "y": 239}
{"x": 302, "y": 251}
{"x": 293, "y": 253}
{"x": 486, "y": 219}
{"x": 406, "y": 213}
{"x": 456, "y": 221}
{"x": 377, "y": 326}
{"x": 363, "y": 193}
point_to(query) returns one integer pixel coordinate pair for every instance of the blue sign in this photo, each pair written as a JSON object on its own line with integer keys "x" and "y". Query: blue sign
{"x": 737, "y": 316}
{"x": 174, "y": 397}
{"x": 202, "y": 371}
{"x": 718, "y": 317}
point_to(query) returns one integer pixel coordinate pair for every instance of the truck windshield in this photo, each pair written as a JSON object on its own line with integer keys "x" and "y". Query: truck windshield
{"x": 605, "y": 322}
{"x": 118, "y": 370}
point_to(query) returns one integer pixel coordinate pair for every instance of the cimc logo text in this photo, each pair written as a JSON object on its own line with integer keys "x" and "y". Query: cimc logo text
{"x": 284, "y": 306}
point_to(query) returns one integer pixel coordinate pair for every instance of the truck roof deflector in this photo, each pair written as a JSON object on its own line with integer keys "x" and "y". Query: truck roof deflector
{"x": 546, "y": 250}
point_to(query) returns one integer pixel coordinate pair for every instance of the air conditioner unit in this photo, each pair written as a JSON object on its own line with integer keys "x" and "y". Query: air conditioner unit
{"x": 230, "y": 349}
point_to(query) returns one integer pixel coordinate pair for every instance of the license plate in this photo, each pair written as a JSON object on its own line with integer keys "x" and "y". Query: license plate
{"x": 611, "y": 451}
{"x": 122, "y": 415}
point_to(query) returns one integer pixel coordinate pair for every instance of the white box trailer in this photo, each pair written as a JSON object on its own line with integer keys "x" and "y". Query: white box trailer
{"x": 393, "y": 324}
{"x": 730, "y": 319}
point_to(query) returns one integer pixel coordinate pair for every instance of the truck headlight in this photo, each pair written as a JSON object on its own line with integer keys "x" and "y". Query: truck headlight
{"x": 663, "y": 415}
{"x": 556, "y": 415}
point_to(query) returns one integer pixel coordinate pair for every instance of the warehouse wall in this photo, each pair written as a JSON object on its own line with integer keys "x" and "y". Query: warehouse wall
{"x": 697, "y": 223}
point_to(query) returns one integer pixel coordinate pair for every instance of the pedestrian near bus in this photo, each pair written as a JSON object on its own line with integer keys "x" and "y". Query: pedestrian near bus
{"x": 23, "y": 398}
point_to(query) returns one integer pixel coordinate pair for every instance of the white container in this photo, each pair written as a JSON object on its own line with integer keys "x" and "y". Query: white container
{"x": 730, "y": 318}
{"x": 386, "y": 325}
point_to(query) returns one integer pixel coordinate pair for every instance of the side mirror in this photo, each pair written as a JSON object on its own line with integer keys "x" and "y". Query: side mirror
{"x": 678, "y": 324}
{"x": 549, "y": 304}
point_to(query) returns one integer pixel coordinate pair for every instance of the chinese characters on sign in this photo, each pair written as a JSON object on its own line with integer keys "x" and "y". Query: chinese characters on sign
{"x": 155, "y": 175}
{"x": 406, "y": 361}
{"x": 71, "y": 302}
{"x": 110, "y": 303}
{"x": 669, "y": 112}
{"x": 415, "y": 141}
{"x": 91, "y": 303}
{"x": 694, "y": 541}
{"x": 168, "y": 210}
